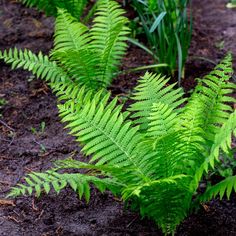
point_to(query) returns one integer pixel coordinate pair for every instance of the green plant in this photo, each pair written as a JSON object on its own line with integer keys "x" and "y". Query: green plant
{"x": 3, "y": 102}
{"x": 74, "y": 7}
{"x": 86, "y": 56}
{"x": 155, "y": 154}
{"x": 168, "y": 28}
{"x": 231, "y": 4}
{"x": 227, "y": 165}
{"x": 40, "y": 131}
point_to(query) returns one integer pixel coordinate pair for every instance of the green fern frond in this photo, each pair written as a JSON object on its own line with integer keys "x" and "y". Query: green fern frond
{"x": 153, "y": 89}
{"x": 71, "y": 50}
{"x": 69, "y": 33}
{"x": 108, "y": 35}
{"x": 81, "y": 67}
{"x": 166, "y": 200}
{"x": 162, "y": 120}
{"x": 108, "y": 136}
{"x": 223, "y": 140}
{"x": 39, "y": 65}
{"x": 92, "y": 57}
{"x": 215, "y": 90}
{"x": 122, "y": 176}
{"x": 75, "y": 7}
{"x": 44, "y": 182}
{"x": 70, "y": 92}
{"x": 225, "y": 187}
{"x": 206, "y": 111}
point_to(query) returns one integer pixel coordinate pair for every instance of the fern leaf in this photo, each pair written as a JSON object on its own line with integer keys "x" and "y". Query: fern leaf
{"x": 225, "y": 187}
{"x": 108, "y": 142}
{"x": 81, "y": 66}
{"x": 222, "y": 141}
{"x": 153, "y": 89}
{"x": 162, "y": 120}
{"x": 105, "y": 133}
{"x": 44, "y": 182}
{"x": 158, "y": 166}
{"x": 69, "y": 33}
{"x": 39, "y": 65}
{"x": 215, "y": 91}
{"x": 108, "y": 35}
{"x": 166, "y": 201}
{"x": 204, "y": 114}
{"x": 75, "y": 7}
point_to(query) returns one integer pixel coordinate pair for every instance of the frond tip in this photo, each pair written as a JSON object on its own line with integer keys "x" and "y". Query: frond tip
{"x": 39, "y": 65}
{"x": 225, "y": 187}
{"x": 44, "y": 182}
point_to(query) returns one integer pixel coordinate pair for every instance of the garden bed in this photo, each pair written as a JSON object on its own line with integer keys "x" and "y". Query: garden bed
{"x": 26, "y": 145}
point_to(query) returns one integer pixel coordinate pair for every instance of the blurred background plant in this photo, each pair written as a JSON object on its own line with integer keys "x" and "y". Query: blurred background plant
{"x": 74, "y": 7}
{"x": 167, "y": 25}
{"x": 231, "y": 4}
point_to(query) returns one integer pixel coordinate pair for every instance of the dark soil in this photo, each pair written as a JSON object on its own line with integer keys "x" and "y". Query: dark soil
{"x": 30, "y": 102}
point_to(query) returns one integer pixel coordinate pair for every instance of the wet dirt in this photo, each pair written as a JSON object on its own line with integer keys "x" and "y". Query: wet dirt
{"x": 25, "y": 144}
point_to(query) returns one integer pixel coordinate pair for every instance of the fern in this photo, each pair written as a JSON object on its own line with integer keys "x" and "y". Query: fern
{"x": 155, "y": 154}
{"x": 39, "y": 65}
{"x": 226, "y": 186}
{"x": 75, "y": 7}
{"x": 69, "y": 33}
{"x": 84, "y": 56}
{"x": 42, "y": 182}
{"x": 108, "y": 36}
{"x": 152, "y": 89}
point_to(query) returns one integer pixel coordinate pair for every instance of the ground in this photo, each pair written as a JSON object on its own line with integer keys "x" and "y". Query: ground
{"x": 26, "y": 146}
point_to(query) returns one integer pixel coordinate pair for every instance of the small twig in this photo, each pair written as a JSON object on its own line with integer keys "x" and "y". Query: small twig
{"x": 16, "y": 213}
{"x": 40, "y": 215}
{"x": 6, "y": 125}
{"x": 59, "y": 230}
{"x": 4, "y": 139}
{"x": 132, "y": 221}
{"x": 34, "y": 207}
{"x": 13, "y": 218}
{"x": 4, "y": 202}
{"x": 12, "y": 140}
